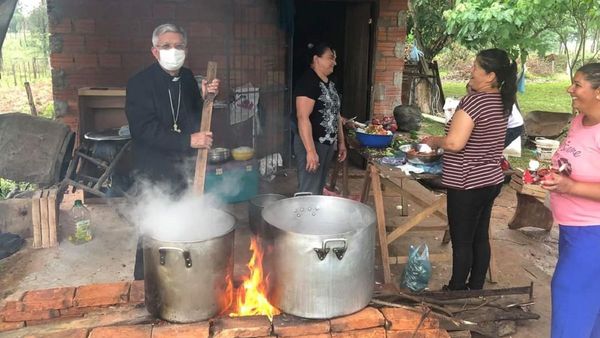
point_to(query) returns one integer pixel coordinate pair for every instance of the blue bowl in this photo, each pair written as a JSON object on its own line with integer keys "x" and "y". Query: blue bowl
{"x": 374, "y": 141}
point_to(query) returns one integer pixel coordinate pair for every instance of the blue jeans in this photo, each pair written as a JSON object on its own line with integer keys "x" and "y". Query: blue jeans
{"x": 576, "y": 283}
{"x": 312, "y": 182}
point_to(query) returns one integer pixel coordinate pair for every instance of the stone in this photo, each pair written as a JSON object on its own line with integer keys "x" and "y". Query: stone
{"x": 101, "y": 294}
{"x": 57, "y": 298}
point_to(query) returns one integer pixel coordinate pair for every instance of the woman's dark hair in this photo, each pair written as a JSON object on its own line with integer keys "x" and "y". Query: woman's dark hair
{"x": 497, "y": 61}
{"x": 319, "y": 49}
{"x": 592, "y": 73}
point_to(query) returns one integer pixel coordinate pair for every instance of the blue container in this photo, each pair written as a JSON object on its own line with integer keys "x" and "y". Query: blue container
{"x": 374, "y": 141}
{"x": 233, "y": 181}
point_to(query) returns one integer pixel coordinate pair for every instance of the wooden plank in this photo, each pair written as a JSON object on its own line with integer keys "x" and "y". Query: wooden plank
{"x": 380, "y": 213}
{"x": 202, "y": 158}
{"x": 416, "y": 219}
{"x": 101, "y": 91}
{"x": 52, "y": 217}
{"x": 36, "y": 219}
{"x": 432, "y": 257}
{"x": 44, "y": 219}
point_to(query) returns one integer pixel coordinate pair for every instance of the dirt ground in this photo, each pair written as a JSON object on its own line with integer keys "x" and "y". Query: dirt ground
{"x": 522, "y": 256}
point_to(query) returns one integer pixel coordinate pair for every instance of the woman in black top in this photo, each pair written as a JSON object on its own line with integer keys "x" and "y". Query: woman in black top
{"x": 317, "y": 117}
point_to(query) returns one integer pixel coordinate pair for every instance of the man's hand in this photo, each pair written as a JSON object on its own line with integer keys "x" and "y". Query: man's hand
{"x": 312, "y": 161}
{"x": 201, "y": 140}
{"x": 210, "y": 88}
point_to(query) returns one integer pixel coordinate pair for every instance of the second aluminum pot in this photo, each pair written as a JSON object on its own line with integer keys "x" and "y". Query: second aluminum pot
{"x": 323, "y": 255}
{"x": 189, "y": 280}
{"x": 257, "y": 204}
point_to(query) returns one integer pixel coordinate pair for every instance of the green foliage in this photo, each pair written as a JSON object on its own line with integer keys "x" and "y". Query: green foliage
{"x": 7, "y": 186}
{"x": 428, "y": 26}
{"x": 518, "y": 26}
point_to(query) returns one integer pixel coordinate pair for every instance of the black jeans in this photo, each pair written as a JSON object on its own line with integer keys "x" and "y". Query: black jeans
{"x": 469, "y": 213}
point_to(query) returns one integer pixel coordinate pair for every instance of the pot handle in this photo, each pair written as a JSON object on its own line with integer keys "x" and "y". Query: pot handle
{"x": 162, "y": 251}
{"x": 303, "y": 193}
{"x": 324, "y": 250}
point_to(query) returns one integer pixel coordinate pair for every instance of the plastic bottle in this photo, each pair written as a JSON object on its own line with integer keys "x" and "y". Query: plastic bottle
{"x": 83, "y": 224}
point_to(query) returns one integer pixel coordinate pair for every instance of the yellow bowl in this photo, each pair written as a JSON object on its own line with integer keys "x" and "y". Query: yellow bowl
{"x": 242, "y": 153}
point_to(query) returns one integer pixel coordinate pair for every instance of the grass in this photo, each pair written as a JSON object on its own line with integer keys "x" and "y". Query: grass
{"x": 539, "y": 95}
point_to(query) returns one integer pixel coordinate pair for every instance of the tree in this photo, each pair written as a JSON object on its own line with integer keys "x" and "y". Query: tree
{"x": 428, "y": 25}
{"x": 514, "y": 25}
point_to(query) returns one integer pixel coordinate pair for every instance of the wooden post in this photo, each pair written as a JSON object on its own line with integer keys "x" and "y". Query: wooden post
{"x": 44, "y": 215}
{"x": 36, "y": 219}
{"x": 30, "y": 99}
{"x": 52, "y": 217}
{"x": 201, "y": 160}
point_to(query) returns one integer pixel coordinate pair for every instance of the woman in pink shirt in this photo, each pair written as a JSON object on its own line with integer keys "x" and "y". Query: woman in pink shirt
{"x": 575, "y": 202}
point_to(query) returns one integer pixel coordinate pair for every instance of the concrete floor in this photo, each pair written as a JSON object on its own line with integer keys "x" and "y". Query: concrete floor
{"x": 523, "y": 256}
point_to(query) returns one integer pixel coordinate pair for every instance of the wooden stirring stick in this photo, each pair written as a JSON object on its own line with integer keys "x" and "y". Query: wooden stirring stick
{"x": 200, "y": 174}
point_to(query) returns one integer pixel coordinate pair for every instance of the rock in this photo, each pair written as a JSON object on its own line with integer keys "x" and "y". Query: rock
{"x": 506, "y": 327}
{"x": 408, "y": 118}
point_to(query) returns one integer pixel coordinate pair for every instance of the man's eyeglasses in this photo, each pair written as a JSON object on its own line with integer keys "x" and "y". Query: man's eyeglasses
{"x": 167, "y": 46}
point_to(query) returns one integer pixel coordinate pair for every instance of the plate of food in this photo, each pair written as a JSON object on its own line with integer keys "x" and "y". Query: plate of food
{"x": 420, "y": 153}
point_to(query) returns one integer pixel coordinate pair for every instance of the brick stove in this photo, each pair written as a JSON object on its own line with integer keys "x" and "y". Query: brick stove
{"x": 116, "y": 310}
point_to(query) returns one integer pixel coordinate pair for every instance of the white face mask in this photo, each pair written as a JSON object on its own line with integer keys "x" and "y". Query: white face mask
{"x": 171, "y": 59}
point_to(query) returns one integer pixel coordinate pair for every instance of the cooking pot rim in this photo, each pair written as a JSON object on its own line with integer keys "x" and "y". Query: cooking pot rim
{"x": 276, "y": 204}
{"x": 225, "y": 232}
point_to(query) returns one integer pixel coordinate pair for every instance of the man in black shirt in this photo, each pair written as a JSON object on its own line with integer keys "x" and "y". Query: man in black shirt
{"x": 163, "y": 107}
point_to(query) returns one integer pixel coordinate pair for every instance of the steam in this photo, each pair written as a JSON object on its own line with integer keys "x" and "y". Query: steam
{"x": 188, "y": 217}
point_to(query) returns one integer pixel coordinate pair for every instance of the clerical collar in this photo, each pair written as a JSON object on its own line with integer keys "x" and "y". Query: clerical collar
{"x": 176, "y": 78}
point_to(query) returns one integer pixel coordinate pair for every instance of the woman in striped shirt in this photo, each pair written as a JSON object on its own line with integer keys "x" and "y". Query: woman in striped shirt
{"x": 473, "y": 147}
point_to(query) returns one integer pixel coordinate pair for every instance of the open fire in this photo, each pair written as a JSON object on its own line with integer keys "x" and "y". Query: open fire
{"x": 251, "y": 295}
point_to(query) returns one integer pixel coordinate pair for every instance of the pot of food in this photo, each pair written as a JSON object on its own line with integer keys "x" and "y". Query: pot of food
{"x": 321, "y": 263}
{"x": 218, "y": 155}
{"x": 188, "y": 272}
{"x": 421, "y": 153}
{"x": 257, "y": 204}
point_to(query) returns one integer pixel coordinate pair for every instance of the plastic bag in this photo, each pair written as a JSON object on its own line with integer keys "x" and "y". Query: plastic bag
{"x": 418, "y": 269}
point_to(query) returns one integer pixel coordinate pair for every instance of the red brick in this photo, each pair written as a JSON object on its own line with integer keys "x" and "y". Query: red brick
{"x": 250, "y": 326}
{"x": 131, "y": 331}
{"x": 196, "y": 330}
{"x": 71, "y": 333}
{"x": 84, "y": 26}
{"x": 71, "y": 43}
{"x": 18, "y": 316}
{"x": 80, "y": 311}
{"x": 96, "y": 44}
{"x": 364, "y": 319}
{"x": 9, "y": 326}
{"x": 288, "y": 325}
{"x": 109, "y": 60}
{"x": 425, "y": 333}
{"x": 57, "y": 298}
{"x": 322, "y": 335}
{"x": 84, "y": 60}
{"x": 163, "y": 10}
{"x": 402, "y": 319}
{"x": 377, "y": 332}
{"x": 136, "y": 292}
{"x": 62, "y": 61}
{"x": 101, "y": 294}
{"x": 64, "y": 26}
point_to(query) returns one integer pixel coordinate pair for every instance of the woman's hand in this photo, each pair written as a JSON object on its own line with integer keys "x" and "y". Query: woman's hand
{"x": 557, "y": 183}
{"x": 201, "y": 140}
{"x": 342, "y": 152}
{"x": 312, "y": 161}
{"x": 430, "y": 141}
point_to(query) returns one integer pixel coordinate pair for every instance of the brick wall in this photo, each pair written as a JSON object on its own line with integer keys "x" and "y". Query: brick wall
{"x": 389, "y": 56}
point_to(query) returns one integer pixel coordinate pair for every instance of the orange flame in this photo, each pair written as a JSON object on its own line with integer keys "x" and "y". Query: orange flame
{"x": 251, "y": 299}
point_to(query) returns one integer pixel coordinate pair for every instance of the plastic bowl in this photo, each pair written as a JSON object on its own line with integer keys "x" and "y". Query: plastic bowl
{"x": 242, "y": 153}
{"x": 373, "y": 140}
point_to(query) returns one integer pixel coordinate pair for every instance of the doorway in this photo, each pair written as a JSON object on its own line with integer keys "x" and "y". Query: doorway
{"x": 347, "y": 25}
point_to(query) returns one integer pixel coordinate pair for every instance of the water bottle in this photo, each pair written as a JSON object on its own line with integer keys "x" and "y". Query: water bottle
{"x": 81, "y": 217}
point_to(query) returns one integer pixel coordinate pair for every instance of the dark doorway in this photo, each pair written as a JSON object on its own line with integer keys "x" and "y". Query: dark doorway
{"x": 347, "y": 26}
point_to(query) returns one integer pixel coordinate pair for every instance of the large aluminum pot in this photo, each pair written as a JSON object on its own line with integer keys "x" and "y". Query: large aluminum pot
{"x": 257, "y": 204}
{"x": 322, "y": 259}
{"x": 189, "y": 280}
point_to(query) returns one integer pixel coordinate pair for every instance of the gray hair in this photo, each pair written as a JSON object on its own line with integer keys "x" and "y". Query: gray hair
{"x": 591, "y": 71}
{"x": 166, "y": 28}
